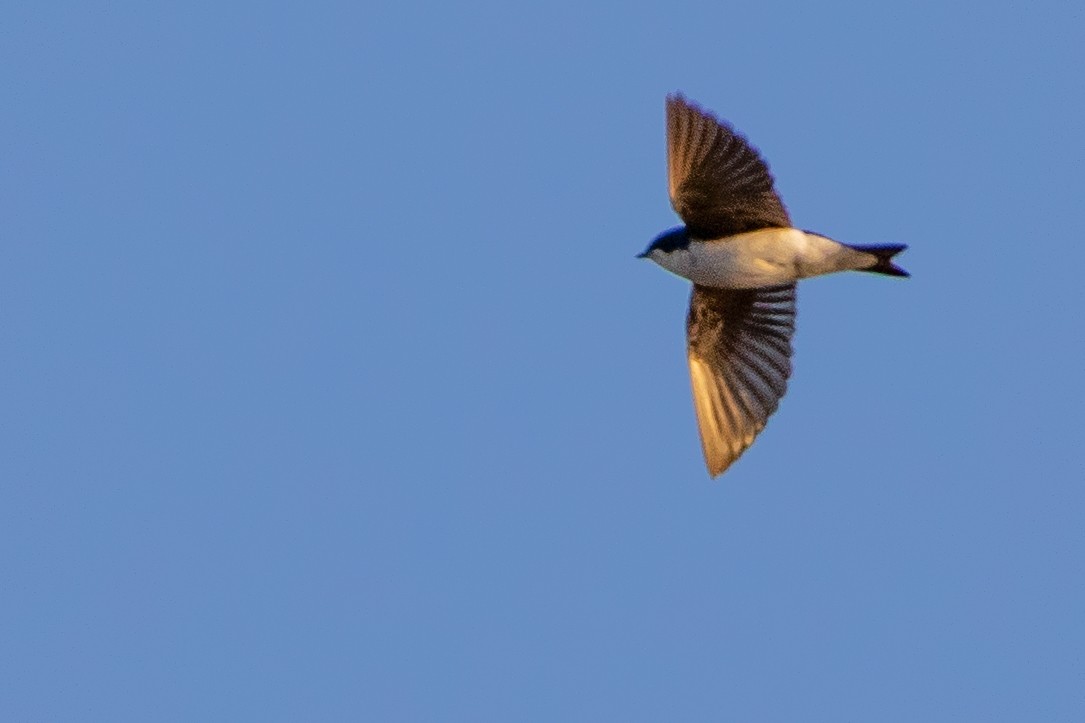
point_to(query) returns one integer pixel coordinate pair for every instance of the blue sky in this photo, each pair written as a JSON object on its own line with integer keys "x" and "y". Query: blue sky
{"x": 332, "y": 390}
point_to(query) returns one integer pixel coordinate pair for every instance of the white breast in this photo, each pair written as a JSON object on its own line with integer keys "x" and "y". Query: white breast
{"x": 765, "y": 257}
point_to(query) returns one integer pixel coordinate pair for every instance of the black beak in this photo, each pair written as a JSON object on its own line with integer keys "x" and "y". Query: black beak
{"x": 642, "y": 255}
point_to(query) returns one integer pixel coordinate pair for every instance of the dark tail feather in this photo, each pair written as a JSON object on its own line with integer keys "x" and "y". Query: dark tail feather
{"x": 884, "y": 263}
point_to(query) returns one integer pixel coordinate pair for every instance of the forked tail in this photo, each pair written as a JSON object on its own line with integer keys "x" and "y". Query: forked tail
{"x": 883, "y": 263}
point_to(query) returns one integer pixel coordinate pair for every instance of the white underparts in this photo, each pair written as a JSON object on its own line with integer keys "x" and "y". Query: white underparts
{"x": 765, "y": 257}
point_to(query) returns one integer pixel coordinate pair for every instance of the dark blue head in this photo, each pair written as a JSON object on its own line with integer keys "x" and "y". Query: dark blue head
{"x": 668, "y": 241}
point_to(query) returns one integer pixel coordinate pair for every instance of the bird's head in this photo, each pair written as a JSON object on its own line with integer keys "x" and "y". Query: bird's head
{"x": 669, "y": 248}
{"x": 669, "y": 241}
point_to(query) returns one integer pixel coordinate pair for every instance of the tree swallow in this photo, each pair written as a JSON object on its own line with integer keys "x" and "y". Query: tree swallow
{"x": 742, "y": 254}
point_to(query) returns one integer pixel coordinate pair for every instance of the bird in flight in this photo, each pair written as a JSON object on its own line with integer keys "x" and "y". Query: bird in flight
{"x": 742, "y": 254}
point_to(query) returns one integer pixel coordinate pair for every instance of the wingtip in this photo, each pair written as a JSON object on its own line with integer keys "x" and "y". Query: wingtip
{"x": 679, "y": 98}
{"x": 717, "y": 461}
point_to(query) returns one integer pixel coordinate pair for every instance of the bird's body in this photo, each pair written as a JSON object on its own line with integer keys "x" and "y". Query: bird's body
{"x": 765, "y": 257}
{"x": 742, "y": 254}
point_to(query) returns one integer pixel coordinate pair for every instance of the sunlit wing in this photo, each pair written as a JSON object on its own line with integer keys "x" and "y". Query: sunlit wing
{"x": 739, "y": 348}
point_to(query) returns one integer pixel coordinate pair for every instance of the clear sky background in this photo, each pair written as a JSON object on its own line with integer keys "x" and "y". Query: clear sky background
{"x": 331, "y": 389}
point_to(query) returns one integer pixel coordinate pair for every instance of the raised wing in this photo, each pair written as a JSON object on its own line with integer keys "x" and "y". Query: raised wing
{"x": 739, "y": 348}
{"x": 719, "y": 184}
